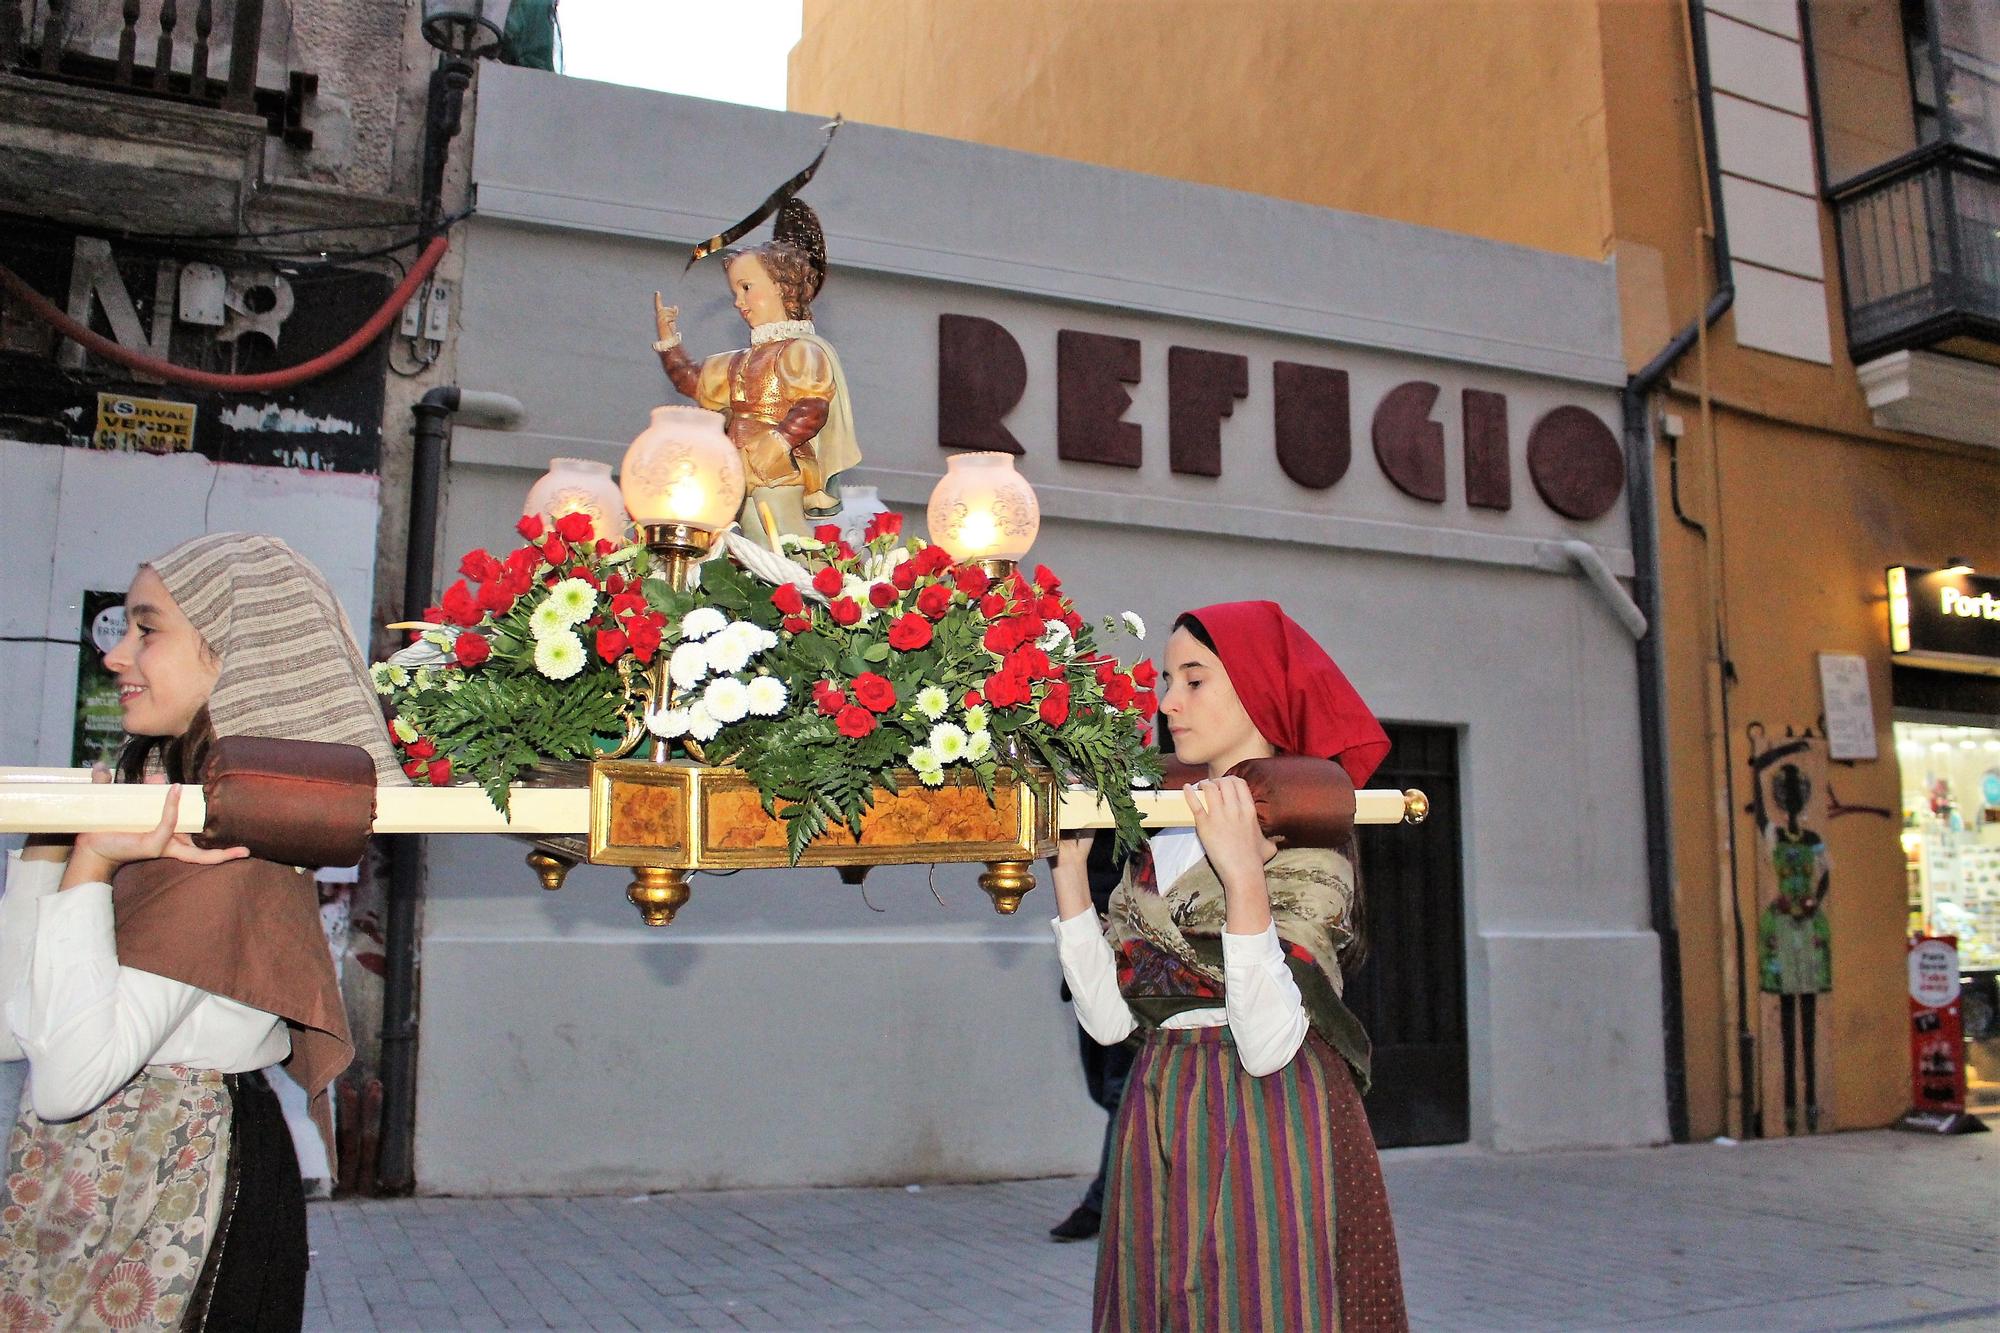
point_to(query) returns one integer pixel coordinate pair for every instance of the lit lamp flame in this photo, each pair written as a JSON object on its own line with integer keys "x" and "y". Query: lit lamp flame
{"x": 984, "y": 512}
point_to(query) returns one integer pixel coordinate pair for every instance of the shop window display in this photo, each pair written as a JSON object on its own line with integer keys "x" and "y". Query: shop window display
{"x": 1951, "y": 847}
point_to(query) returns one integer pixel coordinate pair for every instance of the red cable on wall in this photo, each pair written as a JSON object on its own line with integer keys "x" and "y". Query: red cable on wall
{"x": 331, "y": 359}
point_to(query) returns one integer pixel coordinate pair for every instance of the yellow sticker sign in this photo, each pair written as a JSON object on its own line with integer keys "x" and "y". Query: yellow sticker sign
{"x": 153, "y": 425}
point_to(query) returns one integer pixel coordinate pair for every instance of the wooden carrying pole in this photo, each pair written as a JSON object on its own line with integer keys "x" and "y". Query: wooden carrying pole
{"x": 64, "y": 800}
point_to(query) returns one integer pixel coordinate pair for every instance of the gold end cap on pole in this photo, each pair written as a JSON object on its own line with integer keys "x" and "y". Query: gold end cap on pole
{"x": 658, "y": 893}
{"x": 549, "y": 868}
{"x": 1006, "y": 882}
{"x": 1416, "y": 806}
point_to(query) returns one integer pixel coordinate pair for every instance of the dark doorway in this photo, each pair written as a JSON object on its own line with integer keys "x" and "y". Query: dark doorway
{"x": 1410, "y": 989}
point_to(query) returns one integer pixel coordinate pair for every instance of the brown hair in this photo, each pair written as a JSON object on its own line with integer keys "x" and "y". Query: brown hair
{"x": 789, "y": 266}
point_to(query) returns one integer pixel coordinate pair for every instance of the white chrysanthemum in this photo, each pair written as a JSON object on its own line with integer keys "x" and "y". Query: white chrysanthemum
{"x": 857, "y": 588}
{"x": 548, "y": 620}
{"x": 932, "y": 701}
{"x": 702, "y": 622}
{"x": 667, "y": 723}
{"x": 559, "y": 656}
{"x": 1055, "y": 639}
{"x": 404, "y": 732}
{"x": 574, "y": 600}
{"x": 978, "y": 745}
{"x": 701, "y": 723}
{"x": 688, "y": 665}
{"x": 767, "y": 696}
{"x": 975, "y": 718}
{"x": 947, "y": 742}
{"x": 727, "y": 699}
{"x": 730, "y": 649}
{"x": 926, "y": 766}
{"x": 1141, "y": 780}
{"x": 1133, "y": 625}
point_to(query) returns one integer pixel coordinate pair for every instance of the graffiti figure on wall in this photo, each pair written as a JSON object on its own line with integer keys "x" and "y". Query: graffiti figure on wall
{"x": 1794, "y": 934}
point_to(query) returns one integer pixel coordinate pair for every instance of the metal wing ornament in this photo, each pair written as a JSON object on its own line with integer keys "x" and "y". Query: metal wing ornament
{"x": 805, "y": 232}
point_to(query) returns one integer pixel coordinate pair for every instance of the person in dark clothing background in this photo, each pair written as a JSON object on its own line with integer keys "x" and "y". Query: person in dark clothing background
{"x": 1104, "y": 1067}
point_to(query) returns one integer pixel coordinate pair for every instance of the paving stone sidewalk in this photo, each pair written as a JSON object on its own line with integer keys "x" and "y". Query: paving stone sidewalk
{"x": 1876, "y": 1231}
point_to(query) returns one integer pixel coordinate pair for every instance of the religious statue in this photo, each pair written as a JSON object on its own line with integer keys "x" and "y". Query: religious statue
{"x": 784, "y": 399}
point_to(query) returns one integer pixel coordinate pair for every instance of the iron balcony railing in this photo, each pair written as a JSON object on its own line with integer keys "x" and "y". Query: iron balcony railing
{"x": 204, "y": 52}
{"x": 1920, "y": 251}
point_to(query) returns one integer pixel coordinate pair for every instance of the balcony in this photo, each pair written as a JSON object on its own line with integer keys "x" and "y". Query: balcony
{"x": 1920, "y": 254}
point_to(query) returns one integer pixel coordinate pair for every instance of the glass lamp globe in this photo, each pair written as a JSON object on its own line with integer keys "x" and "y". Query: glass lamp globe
{"x": 579, "y": 486}
{"x": 983, "y": 511}
{"x": 682, "y": 471}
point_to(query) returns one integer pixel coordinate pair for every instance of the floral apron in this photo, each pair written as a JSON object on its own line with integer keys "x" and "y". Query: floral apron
{"x": 105, "y": 1220}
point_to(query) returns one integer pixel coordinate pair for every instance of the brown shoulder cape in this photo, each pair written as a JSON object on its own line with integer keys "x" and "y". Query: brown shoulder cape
{"x": 247, "y": 930}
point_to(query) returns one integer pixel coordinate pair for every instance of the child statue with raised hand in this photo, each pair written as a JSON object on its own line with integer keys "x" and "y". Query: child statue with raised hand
{"x": 784, "y": 398}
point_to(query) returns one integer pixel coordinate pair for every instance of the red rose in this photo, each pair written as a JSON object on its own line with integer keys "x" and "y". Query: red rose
{"x": 1005, "y": 691}
{"x": 992, "y": 606}
{"x": 627, "y": 603}
{"x": 1074, "y": 623}
{"x": 845, "y": 611}
{"x": 883, "y": 525}
{"x": 605, "y": 546}
{"x": 610, "y": 644}
{"x": 1055, "y": 704}
{"x": 471, "y": 649}
{"x": 1050, "y": 607}
{"x": 614, "y": 584}
{"x": 530, "y": 527}
{"x": 843, "y": 551}
{"x": 829, "y": 698}
{"x": 787, "y": 598}
{"x": 1031, "y": 663}
{"x": 423, "y": 748}
{"x": 933, "y": 560}
{"x": 828, "y": 581}
{"x": 1118, "y": 691}
{"x": 461, "y": 606}
{"x": 904, "y": 576}
{"x": 497, "y": 597}
{"x": 1146, "y": 703}
{"x": 554, "y": 552}
{"x": 1106, "y": 669}
{"x": 795, "y": 624}
{"x": 973, "y": 698}
{"x": 934, "y": 601}
{"x": 971, "y": 581}
{"x": 576, "y": 527}
{"x": 551, "y": 579}
{"x": 1144, "y": 673}
{"x": 881, "y": 596}
{"x": 479, "y": 566}
{"x": 874, "y": 692}
{"x": 644, "y": 633}
{"x": 414, "y": 768}
{"x": 439, "y": 773}
{"x": 583, "y": 572}
{"x": 854, "y": 722}
{"x": 826, "y": 532}
{"x": 909, "y": 633}
{"x": 1045, "y": 579}
{"x": 1002, "y": 636}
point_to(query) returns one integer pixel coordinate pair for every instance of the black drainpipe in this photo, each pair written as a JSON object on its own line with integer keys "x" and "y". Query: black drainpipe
{"x": 1646, "y": 592}
{"x": 395, "y": 1171}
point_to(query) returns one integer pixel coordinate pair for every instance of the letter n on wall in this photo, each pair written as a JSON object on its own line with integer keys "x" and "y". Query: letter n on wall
{"x": 981, "y": 377}
{"x": 1092, "y": 370}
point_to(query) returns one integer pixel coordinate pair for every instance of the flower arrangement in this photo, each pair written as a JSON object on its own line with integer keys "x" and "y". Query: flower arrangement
{"x": 529, "y": 658}
{"x": 860, "y": 663}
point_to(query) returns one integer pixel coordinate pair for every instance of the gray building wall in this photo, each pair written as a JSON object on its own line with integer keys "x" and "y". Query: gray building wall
{"x": 790, "y": 1030}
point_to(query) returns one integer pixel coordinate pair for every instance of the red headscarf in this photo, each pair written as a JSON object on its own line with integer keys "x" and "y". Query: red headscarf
{"x": 1298, "y": 698}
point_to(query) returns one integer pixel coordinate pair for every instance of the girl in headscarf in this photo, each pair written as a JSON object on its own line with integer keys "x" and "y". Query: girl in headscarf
{"x": 1245, "y": 1191}
{"x": 150, "y": 1180}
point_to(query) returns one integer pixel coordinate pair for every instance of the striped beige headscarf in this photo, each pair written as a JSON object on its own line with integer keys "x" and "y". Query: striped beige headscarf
{"x": 290, "y": 668}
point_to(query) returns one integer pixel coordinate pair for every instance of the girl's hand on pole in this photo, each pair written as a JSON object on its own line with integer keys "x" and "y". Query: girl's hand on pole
{"x": 98, "y": 855}
{"x": 1225, "y": 819}
{"x": 1072, "y": 874}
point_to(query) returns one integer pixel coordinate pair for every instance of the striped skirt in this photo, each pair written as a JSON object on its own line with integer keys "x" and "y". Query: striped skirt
{"x": 1244, "y": 1203}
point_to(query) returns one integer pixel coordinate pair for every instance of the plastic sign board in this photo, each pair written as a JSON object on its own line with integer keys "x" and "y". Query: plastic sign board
{"x": 1937, "y": 1039}
{"x": 1944, "y": 619}
{"x": 145, "y": 425}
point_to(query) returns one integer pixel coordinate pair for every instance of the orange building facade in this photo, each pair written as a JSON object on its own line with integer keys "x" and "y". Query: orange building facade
{"x": 1802, "y": 202}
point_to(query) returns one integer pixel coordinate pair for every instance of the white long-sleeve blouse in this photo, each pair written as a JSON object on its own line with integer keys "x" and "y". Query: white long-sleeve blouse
{"x": 86, "y": 1024}
{"x": 1261, "y": 1002}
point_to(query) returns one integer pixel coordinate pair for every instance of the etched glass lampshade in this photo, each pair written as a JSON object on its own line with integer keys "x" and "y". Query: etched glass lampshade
{"x": 683, "y": 470}
{"x": 983, "y": 510}
{"x": 578, "y": 486}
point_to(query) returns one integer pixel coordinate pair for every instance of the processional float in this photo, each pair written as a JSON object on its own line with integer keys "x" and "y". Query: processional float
{"x": 807, "y": 692}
